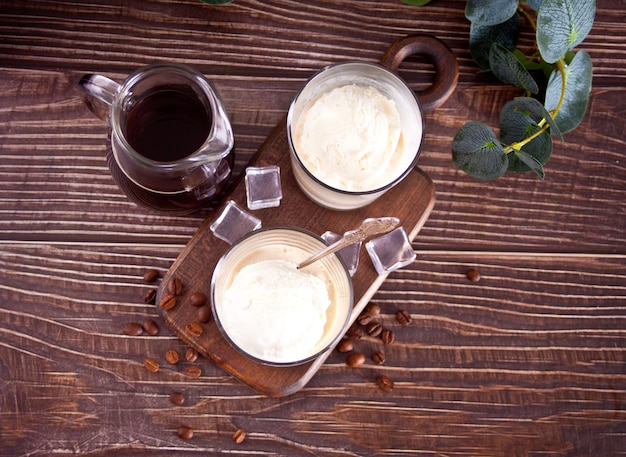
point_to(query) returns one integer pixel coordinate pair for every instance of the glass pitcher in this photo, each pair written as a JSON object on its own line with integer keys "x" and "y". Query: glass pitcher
{"x": 171, "y": 142}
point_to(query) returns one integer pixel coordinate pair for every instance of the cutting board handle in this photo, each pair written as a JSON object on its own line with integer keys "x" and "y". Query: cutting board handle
{"x": 443, "y": 59}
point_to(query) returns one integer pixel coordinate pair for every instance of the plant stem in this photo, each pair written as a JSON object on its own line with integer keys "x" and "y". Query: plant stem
{"x": 560, "y": 65}
{"x": 543, "y": 123}
{"x": 528, "y": 17}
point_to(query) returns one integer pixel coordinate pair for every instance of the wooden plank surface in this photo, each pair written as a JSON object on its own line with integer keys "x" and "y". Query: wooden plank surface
{"x": 529, "y": 361}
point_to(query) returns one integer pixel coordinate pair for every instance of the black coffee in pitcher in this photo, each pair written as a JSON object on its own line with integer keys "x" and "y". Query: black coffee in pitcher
{"x": 168, "y": 125}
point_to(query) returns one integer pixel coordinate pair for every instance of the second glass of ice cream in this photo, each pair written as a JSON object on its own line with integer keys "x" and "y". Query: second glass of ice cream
{"x": 354, "y": 132}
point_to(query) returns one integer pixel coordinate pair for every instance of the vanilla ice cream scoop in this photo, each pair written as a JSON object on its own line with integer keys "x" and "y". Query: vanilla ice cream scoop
{"x": 351, "y": 138}
{"x": 275, "y": 311}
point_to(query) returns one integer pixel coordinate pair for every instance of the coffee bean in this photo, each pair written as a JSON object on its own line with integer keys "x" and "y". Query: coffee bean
{"x": 239, "y": 436}
{"x": 150, "y": 296}
{"x": 473, "y": 275}
{"x": 378, "y": 357}
{"x": 133, "y": 329}
{"x": 177, "y": 398}
{"x": 384, "y": 383}
{"x": 403, "y": 317}
{"x": 193, "y": 371}
{"x": 185, "y": 433}
{"x": 374, "y": 329}
{"x": 195, "y": 328}
{"x": 175, "y": 286}
{"x": 151, "y": 365}
{"x": 150, "y": 327}
{"x": 168, "y": 302}
{"x": 364, "y": 318}
{"x": 151, "y": 275}
{"x": 345, "y": 345}
{"x": 191, "y": 355}
{"x": 171, "y": 356}
{"x": 197, "y": 299}
{"x": 355, "y": 333}
{"x": 387, "y": 336}
{"x": 372, "y": 309}
{"x": 204, "y": 314}
{"x": 355, "y": 359}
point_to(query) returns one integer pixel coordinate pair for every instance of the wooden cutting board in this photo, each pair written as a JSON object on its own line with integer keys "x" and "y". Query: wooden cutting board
{"x": 411, "y": 201}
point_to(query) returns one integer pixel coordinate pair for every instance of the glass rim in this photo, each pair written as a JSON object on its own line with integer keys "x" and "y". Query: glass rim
{"x": 195, "y": 78}
{"x": 237, "y": 347}
{"x": 390, "y": 74}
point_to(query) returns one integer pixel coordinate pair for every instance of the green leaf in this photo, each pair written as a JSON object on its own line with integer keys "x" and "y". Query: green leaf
{"x": 562, "y": 25}
{"x": 509, "y": 70}
{"x": 517, "y": 125}
{"x": 530, "y": 65}
{"x": 535, "y": 4}
{"x": 536, "y": 110}
{"x": 531, "y": 163}
{"x": 216, "y": 2}
{"x": 578, "y": 76}
{"x": 483, "y": 36}
{"x": 490, "y": 12}
{"x": 416, "y": 2}
{"x": 477, "y": 151}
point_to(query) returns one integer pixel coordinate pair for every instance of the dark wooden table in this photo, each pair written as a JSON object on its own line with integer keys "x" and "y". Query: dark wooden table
{"x": 529, "y": 361}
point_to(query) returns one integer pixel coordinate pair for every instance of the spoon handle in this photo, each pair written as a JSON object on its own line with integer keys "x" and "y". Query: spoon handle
{"x": 369, "y": 227}
{"x": 337, "y": 245}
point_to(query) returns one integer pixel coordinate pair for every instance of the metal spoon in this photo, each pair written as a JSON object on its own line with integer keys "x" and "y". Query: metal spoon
{"x": 369, "y": 227}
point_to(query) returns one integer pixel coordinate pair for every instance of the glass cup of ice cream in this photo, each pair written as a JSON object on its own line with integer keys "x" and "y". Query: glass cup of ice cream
{"x": 354, "y": 132}
{"x": 270, "y": 310}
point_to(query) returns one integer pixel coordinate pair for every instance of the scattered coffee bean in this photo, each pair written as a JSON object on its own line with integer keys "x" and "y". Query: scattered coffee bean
{"x": 374, "y": 329}
{"x": 185, "y": 433}
{"x": 193, "y": 371}
{"x": 178, "y": 398}
{"x": 191, "y": 355}
{"x": 403, "y": 317}
{"x": 473, "y": 275}
{"x": 387, "y": 336}
{"x": 175, "y": 286}
{"x": 198, "y": 299}
{"x": 151, "y": 275}
{"x": 204, "y": 314}
{"x": 355, "y": 333}
{"x": 150, "y": 327}
{"x": 364, "y": 318}
{"x": 168, "y": 302}
{"x": 150, "y": 296}
{"x": 378, "y": 357}
{"x": 171, "y": 356}
{"x": 151, "y": 365}
{"x": 345, "y": 345}
{"x": 355, "y": 359}
{"x": 195, "y": 328}
{"x": 133, "y": 329}
{"x": 239, "y": 436}
{"x": 384, "y": 383}
{"x": 372, "y": 309}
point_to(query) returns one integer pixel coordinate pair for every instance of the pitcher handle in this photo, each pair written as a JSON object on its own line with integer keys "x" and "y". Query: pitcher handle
{"x": 98, "y": 94}
{"x": 443, "y": 59}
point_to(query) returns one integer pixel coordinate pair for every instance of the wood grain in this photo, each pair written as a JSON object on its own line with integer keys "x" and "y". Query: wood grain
{"x": 527, "y": 362}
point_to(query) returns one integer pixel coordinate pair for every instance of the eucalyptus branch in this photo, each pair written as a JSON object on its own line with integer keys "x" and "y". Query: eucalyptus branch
{"x": 526, "y": 124}
{"x": 543, "y": 123}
